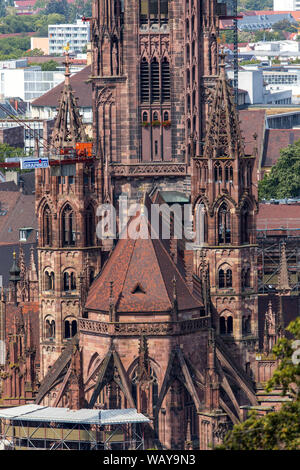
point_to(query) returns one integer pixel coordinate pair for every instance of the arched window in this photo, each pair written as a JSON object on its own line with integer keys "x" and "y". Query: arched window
{"x": 223, "y": 329}
{"x": 244, "y": 224}
{"x": 66, "y": 281}
{"x": 67, "y": 329}
{"x": 246, "y": 273}
{"x": 221, "y": 278}
{"x": 144, "y": 405}
{"x": 145, "y": 81}
{"x": 228, "y": 174}
{"x": 145, "y": 117}
{"x": 91, "y": 276}
{"x": 155, "y": 87}
{"x": 49, "y": 328}
{"x": 165, "y": 80}
{"x": 218, "y": 173}
{"x": 73, "y": 281}
{"x": 47, "y": 226}
{"x": 155, "y": 116}
{"x": 202, "y": 228}
{"x": 249, "y": 174}
{"x": 49, "y": 280}
{"x": 224, "y": 228}
{"x": 68, "y": 226}
{"x": 188, "y": 103}
{"x": 228, "y": 279}
{"x": 70, "y": 328}
{"x": 246, "y": 325}
{"x": 187, "y": 52}
{"x": 166, "y": 116}
{"x": 74, "y": 328}
{"x": 89, "y": 226}
{"x": 225, "y": 278}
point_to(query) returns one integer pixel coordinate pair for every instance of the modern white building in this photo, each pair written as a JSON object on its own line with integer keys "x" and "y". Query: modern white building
{"x": 252, "y": 81}
{"x": 28, "y": 84}
{"x": 76, "y": 35}
{"x": 286, "y": 5}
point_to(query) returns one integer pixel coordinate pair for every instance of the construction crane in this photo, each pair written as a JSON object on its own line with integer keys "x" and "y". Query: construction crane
{"x": 67, "y": 155}
{"x": 232, "y": 4}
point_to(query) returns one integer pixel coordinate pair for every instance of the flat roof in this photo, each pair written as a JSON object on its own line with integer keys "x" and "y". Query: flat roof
{"x": 34, "y": 412}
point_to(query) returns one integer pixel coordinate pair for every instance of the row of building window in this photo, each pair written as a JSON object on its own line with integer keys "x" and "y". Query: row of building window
{"x": 70, "y": 328}
{"x": 68, "y": 226}
{"x": 69, "y": 280}
{"x": 226, "y": 325}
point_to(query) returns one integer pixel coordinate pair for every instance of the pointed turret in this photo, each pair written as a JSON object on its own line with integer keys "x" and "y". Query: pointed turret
{"x": 32, "y": 272}
{"x": 68, "y": 128}
{"x": 15, "y": 276}
{"x": 283, "y": 278}
{"x": 223, "y": 135}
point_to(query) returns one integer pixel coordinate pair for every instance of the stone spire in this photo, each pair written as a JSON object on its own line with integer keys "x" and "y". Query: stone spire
{"x": 15, "y": 277}
{"x": 223, "y": 135}
{"x": 68, "y": 128}
{"x": 32, "y": 272}
{"x": 283, "y": 277}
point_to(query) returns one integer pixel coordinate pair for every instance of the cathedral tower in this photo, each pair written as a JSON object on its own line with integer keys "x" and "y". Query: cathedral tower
{"x": 67, "y": 195}
{"x": 224, "y": 192}
{"x": 151, "y": 60}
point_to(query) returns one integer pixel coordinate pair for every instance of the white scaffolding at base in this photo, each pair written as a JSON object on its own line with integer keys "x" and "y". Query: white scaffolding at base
{"x": 43, "y": 427}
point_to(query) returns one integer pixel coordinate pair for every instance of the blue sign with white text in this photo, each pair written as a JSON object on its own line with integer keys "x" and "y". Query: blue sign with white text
{"x": 31, "y": 163}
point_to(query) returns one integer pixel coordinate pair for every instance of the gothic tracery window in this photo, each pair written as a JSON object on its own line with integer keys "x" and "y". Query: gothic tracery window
{"x": 153, "y": 14}
{"x": 68, "y": 226}
{"x": 89, "y": 226}
{"x": 244, "y": 224}
{"x": 49, "y": 281}
{"x": 224, "y": 225}
{"x": 225, "y": 278}
{"x": 47, "y": 226}
{"x": 226, "y": 325}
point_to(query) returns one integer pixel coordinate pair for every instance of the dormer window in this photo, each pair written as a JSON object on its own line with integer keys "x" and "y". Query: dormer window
{"x": 24, "y": 233}
{"x": 138, "y": 289}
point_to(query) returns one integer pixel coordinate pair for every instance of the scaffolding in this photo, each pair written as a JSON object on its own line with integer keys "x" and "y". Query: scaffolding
{"x": 36, "y": 427}
{"x": 270, "y": 240}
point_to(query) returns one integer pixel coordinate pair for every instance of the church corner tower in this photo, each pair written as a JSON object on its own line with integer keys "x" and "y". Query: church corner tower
{"x": 224, "y": 192}
{"x": 67, "y": 196}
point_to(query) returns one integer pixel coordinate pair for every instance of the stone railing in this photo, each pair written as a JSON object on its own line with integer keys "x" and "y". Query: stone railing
{"x": 148, "y": 169}
{"x": 136, "y": 329}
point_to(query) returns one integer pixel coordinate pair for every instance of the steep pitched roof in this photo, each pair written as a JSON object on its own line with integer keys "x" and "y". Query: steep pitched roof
{"x": 223, "y": 134}
{"x": 142, "y": 273}
{"x": 68, "y": 127}
{"x": 275, "y": 140}
{"x": 253, "y": 122}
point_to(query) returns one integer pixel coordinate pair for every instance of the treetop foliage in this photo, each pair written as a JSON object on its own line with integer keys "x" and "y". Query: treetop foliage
{"x": 283, "y": 181}
{"x": 277, "y": 430}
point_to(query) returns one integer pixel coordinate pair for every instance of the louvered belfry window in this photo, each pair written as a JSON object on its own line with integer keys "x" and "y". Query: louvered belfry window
{"x": 165, "y": 76}
{"x": 145, "y": 82}
{"x": 155, "y": 88}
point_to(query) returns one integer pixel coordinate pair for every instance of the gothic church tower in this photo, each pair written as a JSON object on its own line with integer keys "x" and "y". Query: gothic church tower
{"x": 224, "y": 193}
{"x": 69, "y": 257}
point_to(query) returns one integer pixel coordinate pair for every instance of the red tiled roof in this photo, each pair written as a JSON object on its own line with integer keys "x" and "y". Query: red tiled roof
{"x": 81, "y": 89}
{"x": 253, "y": 122}
{"x": 20, "y": 213}
{"x": 278, "y": 216}
{"x": 275, "y": 140}
{"x": 143, "y": 262}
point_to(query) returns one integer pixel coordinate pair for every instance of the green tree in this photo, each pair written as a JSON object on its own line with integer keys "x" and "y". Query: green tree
{"x": 277, "y": 430}
{"x": 48, "y": 66}
{"x": 283, "y": 25}
{"x": 7, "y": 151}
{"x": 284, "y": 178}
